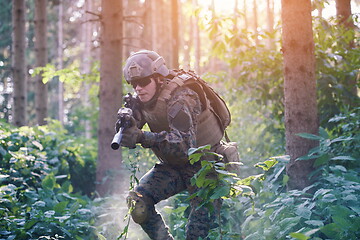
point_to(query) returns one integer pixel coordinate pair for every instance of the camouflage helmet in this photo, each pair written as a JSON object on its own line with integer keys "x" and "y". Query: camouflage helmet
{"x": 143, "y": 64}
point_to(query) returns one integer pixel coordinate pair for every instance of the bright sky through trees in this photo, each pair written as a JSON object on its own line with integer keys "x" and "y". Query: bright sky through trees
{"x": 227, "y": 6}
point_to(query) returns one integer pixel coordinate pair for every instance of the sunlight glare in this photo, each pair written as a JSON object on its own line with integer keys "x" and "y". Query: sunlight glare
{"x": 224, "y": 6}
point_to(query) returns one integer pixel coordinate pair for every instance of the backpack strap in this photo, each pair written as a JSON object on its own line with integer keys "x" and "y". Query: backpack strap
{"x": 226, "y": 136}
{"x": 170, "y": 87}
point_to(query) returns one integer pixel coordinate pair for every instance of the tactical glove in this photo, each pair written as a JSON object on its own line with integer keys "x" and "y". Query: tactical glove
{"x": 131, "y": 135}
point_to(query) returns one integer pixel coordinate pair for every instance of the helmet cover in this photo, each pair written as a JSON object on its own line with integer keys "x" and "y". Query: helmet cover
{"x": 143, "y": 64}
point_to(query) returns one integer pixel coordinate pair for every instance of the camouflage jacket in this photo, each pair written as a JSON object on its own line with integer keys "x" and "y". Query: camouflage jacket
{"x": 183, "y": 109}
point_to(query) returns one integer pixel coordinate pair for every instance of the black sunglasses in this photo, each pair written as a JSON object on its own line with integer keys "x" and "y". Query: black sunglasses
{"x": 140, "y": 82}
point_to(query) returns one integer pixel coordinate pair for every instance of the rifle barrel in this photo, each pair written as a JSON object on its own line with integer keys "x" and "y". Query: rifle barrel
{"x": 115, "y": 144}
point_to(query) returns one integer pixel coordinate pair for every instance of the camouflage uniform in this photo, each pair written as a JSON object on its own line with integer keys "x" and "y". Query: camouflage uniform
{"x": 168, "y": 178}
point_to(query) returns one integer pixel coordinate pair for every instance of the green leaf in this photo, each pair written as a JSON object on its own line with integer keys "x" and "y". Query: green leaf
{"x": 224, "y": 172}
{"x": 344, "y": 158}
{"x": 30, "y": 223}
{"x": 329, "y": 198}
{"x": 3, "y": 152}
{"x": 341, "y": 139}
{"x": 312, "y": 231}
{"x": 322, "y": 160}
{"x": 60, "y": 207}
{"x": 38, "y": 145}
{"x": 341, "y": 221}
{"x": 49, "y": 182}
{"x": 309, "y": 136}
{"x": 74, "y": 207}
{"x": 316, "y": 223}
{"x": 303, "y": 212}
{"x": 307, "y": 157}
{"x": 201, "y": 148}
{"x": 299, "y": 236}
{"x": 321, "y": 192}
{"x": 330, "y": 230}
{"x": 266, "y": 165}
{"x": 195, "y": 157}
{"x": 285, "y": 179}
{"x": 323, "y": 133}
{"x": 220, "y": 192}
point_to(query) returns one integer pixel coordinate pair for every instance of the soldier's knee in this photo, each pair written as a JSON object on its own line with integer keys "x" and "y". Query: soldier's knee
{"x": 140, "y": 209}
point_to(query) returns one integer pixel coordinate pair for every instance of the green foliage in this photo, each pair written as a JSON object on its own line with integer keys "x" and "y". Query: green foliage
{"x": 327, "y": 209}
{"x": 257, "y": 71}
{"x": 5, "y": 60}
{"x": 112, "y": 216}
{"x": 338, "y": 64}
{"x": 38, "y": 185}
{"x": 253, "y": 127}
{"x": 214, "y": 182}
{"x": 76, "y": 83}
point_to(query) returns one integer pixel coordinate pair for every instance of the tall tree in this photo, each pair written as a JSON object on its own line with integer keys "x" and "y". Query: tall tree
{"x": 60, "y": 60}
{"x": 18, "y": 62}
{"x": 343, "y": 12}
{"x": 246, "y": 22}
{"x": 175, "y": 33}
{"x": 109, "y": 168}
{"x": 5, "y": 62}
{"x": 87, "y": 54}
{"x": 236, "y": 13}
{"x": 270, "y": 22}
{"x": 147, "y": 33}
{"x": 299, "y": 88}
{"x": 255, "y": 19}
{"x": 197, "y": 41}
{"x": 41, "y": 59}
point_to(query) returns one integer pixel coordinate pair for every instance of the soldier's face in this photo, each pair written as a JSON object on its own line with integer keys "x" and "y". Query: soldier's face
{"x": 145, "y": 91}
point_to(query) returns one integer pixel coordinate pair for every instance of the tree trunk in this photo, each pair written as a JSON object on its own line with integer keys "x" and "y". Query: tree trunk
{"x": 270, "y": 22}
{"x": 299, "y": 88}
{"x": 187, "y": 28}
{"x": 41, "y": 59}
{"x": 60, "y": 61}
{"x": 164, "y": 43}
{"x": 236, "y": 11}
{"x": 197, "y": 42}
{"x": 154, "y": 24}
{"x": 343, "y": 12}
{"x": 246, "y": 23}
{"x": 109, "y": 167}
{"x": 147, "y": 22}
{"x": 86, "y": 28}
{"x": 175, "y": 33}
{"x": 256, "y": 25}
{"x": 18, "y": 62}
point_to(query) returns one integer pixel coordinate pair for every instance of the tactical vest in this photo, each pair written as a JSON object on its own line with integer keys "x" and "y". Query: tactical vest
{"x": 210, "y": 127}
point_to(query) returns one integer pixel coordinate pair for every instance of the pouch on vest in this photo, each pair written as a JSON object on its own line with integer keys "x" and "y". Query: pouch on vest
{"x": 230, "y": 153}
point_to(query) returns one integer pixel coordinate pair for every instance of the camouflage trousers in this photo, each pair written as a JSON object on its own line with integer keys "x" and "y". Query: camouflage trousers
{"x": 162, "y": 182}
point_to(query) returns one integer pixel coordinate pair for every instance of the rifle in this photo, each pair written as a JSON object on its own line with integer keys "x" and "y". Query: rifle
{"x": 124, "y": 116}
{"x": 124, "y": 119}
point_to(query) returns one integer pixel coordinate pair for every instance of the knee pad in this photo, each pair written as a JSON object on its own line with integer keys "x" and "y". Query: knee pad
{"x": 138, "y": 206}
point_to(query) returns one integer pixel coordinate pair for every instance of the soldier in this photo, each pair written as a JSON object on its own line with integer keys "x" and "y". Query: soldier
{"x": 178, "y": 120}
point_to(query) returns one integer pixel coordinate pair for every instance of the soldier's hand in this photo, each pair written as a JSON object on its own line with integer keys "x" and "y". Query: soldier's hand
{"x": 131, "y": 135}
{"x": 124, "y": 115}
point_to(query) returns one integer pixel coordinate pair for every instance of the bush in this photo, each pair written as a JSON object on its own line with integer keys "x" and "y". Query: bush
{"x": 328, "y": 209}
{"x": 38, "y": 169}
